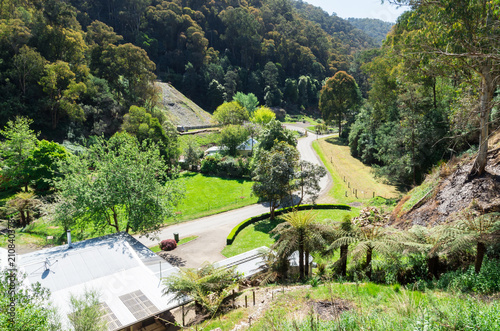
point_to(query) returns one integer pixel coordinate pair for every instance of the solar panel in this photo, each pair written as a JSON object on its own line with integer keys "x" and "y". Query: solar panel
{"x": 112, "y": 322}
{"x": 139, "y": 305}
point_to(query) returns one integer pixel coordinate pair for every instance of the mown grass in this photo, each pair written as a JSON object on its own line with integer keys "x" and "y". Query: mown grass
{"x": 258, "y": 234}
{"x": 301, "y": 119}
{"x": 208, "y": 195}
{"x": 379, "y": 307}
{"x": 349, "y": 173}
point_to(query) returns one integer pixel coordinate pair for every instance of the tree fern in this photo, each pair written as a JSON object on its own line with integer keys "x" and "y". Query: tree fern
{"x": 473, "y": 231}
{"x": 301, "y": 232}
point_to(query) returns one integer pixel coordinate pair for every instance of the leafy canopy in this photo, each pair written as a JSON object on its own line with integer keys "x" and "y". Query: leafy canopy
{"x": 119, "y": 183}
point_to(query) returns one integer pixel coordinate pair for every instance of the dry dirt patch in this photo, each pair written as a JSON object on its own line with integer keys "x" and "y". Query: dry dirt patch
{"x": 329, "y": 310}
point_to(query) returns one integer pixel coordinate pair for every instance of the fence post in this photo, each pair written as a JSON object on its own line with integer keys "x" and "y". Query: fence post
{"x": 246, "y": 302}
{"x": 253, "y": 294}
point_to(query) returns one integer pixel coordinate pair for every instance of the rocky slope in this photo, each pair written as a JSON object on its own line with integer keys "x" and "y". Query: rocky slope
{"x": 447, "y": 191}
{"x": 181, "y": 110}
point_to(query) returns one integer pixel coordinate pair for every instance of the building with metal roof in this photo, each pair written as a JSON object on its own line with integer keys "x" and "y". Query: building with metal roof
{"x": 125, "y": 273}
{"x": 248, "y": 263}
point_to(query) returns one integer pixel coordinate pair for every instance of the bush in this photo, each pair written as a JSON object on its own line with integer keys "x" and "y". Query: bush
{"x": 225, "y": 166}
{"x": 487, "y": 281}
{"x": 168, "y": 245}
{"x": 210, "y": 163}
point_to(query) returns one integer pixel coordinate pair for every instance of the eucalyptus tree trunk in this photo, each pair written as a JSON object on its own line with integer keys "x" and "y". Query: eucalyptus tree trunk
{"x": 486, "y": 96}
{"x": 115, "y": 219}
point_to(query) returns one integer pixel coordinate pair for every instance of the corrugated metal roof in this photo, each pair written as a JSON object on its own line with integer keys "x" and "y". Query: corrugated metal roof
{"x": 248, "y": 263}
{"x": 113, "y": 265}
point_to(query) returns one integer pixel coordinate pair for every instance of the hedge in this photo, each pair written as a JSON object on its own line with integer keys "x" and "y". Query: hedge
{"x": 234, "y": 232}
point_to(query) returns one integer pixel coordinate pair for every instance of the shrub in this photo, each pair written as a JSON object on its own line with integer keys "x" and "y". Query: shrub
{"x": 225, "y": 166}
{"x": 168, "y": 245}
{"x": 486, "y": 281}
{"x": 209, "y": 164}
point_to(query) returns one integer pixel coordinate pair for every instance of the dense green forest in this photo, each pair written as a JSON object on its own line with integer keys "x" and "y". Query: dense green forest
{"x": 75, "y": 67}
{"x": 210, "y": 50}
{"x": 375, "y": 28}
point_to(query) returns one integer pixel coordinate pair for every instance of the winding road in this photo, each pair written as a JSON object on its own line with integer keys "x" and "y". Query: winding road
{"x": 213, "y": 230}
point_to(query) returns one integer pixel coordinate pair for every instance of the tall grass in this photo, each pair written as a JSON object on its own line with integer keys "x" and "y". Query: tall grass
{"x": 378, "y": 307}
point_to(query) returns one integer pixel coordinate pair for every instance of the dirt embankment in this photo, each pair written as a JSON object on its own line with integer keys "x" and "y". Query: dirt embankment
{"x": 181, "y": 110}
{"x": 455, "y": 191}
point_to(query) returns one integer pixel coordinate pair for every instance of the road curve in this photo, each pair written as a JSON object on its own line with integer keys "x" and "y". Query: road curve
{"x": 213, "y": 230}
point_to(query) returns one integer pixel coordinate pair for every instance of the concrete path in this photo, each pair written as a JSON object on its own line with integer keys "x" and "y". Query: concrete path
{"x": 212, "y": 231}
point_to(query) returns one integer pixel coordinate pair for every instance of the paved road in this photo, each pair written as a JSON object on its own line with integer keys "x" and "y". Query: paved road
{"x": 212, "y": 231}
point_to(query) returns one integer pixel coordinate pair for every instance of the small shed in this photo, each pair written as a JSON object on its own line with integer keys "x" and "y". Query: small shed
{"x": 213, "y": 150}
{"x": 246, "y": 148}
{"x": 248, "y": 263}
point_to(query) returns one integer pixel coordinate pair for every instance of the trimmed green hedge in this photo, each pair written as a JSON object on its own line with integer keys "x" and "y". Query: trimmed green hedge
{"x": 234, "y": 232}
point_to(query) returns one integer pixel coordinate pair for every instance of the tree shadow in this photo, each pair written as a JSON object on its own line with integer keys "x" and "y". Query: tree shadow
{"x": 267, "y": 225}
{"x": 174, "y": 260}
{"x": 337, "y": 141}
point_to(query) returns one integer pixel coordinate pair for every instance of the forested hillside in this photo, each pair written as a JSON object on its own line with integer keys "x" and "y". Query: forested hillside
{"x": 79, "y": 68}
{"x": 75, "y": 67}
{"x": 377, "y": 29}
{"x": 433, "y": 91}
{"x": 70, "y": 82}
{"x": 212, "y": 49}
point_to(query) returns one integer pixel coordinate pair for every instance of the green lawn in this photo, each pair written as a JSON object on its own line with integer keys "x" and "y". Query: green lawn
{"x": 207, "y": 195}
{"x": 257, "y": 235}
{"x": 204, "y": 195}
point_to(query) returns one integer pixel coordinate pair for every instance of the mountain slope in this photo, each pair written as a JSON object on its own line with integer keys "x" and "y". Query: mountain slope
{"x": 375, "y": 28}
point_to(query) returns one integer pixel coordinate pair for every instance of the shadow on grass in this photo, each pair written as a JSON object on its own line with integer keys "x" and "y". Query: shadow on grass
{"x": 6, "y": 195}
{"x": 268, "y": 225}
{"x": 337, "y": 141}
{"x": 188, "y": 174}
